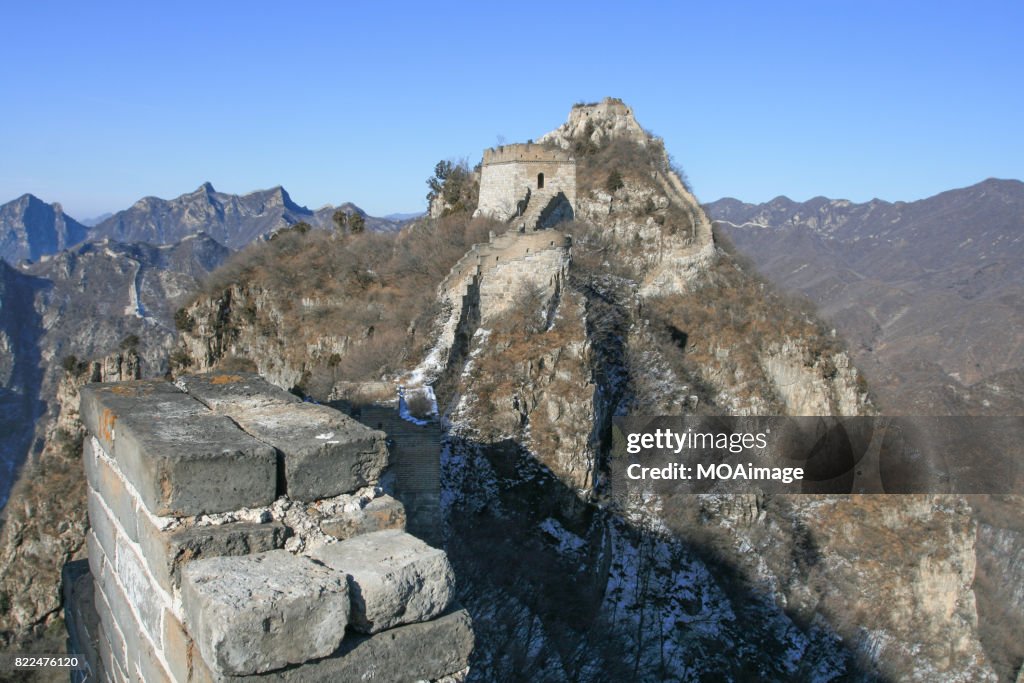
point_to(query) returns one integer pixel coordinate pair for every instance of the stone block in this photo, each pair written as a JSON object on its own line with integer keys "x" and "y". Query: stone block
{"x": 177, "y": 647}
{"x": 149, "y": 667}
{"x": 200, "y": 672}
{"x": 394, "y": 578}
{"x": 101, "y": 524}
{"x": 415, "y": 652}
{"x": 222, "y": 392}
{"x": 167, "y": 551}
{"x": 140, "y": 590}
{"x": 380, "y": 514}
{"x": 112, "y": 647}
{"x": 103, "y": 479}
{"x": 111, "y": 659}
{"x": 118, "y": 616}
{"x": 181, "y": 458}
{"x": 326, "y": 453}
{"x": 263, "y": 612}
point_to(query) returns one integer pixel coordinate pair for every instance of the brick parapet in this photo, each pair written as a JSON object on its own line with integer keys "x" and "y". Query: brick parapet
{"x": 152, "y": 541}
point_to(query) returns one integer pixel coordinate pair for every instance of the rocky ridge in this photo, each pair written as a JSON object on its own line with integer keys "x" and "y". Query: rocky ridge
{"x": 233, "y": 220}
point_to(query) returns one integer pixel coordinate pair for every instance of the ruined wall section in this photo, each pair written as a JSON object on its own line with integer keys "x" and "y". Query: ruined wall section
{"x": 534, "y": 264}
{"x": 486, "y": 280}
{"x": 237, "y": 531}
{"x": 598, "y": 122}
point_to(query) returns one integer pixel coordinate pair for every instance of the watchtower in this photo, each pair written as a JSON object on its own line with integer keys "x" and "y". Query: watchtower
{"x": 529, "y": 184}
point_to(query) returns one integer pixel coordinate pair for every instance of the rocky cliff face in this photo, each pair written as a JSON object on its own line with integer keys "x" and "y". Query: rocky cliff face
{"x": 20, "y": 371}
{"x": 248, "y": 322}
{"x": 30, "y": 229}
{"x": 45, "y": 520}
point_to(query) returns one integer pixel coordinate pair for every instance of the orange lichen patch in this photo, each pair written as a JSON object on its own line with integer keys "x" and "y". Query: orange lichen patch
{"x": 124, "y": 390}
{"x": 107, "y": 422}
{"x": 386, "y": 519}
{"x": 225, "y": 379}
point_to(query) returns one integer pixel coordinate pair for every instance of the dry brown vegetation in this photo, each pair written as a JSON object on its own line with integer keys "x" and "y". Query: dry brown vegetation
{"x": 719, "y": 331}
{"x": 377, "y": 291}
{"x": 504, "y": 375}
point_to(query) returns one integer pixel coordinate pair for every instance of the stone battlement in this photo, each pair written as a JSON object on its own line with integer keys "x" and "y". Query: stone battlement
{"x": 236, "y": 531}
{"x": 526, "y": 153}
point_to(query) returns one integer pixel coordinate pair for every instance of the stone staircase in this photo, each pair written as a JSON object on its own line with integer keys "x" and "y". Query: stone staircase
{"x": 416, "y": 462}
{"x": 539, "y": 201}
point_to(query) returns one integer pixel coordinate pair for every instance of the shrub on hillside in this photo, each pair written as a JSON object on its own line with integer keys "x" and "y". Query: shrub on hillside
{"x": 373, "y": 291}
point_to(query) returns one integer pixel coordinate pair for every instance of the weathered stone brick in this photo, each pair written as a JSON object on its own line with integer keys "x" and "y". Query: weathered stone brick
{"x": 201, "y": 672}
{"x": 177, "y": 647}
{"x": 111, "y": 646}
{"x": 182, "y": 459}
{"x": 167, "y": 551}
{"x": 101, "y": 524}
{"x": 119, "y": 616}
{"x": 111, "y": 658}
{"x": 140, "y": 590}
{"x": 395, "y": 578}
{"x": 262, "y": 612}
{"x": 380, "y": 514}
{"x": 326, "y": 453}
{"x": 150, "y": 669}
{"x": 415, "y": 652}
{"x": 108, "y": 483}
{"x": 225, "y": 392}
{"x": 97, "y": 557}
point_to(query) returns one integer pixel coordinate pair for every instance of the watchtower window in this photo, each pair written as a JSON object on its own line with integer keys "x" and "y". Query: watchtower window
{"x": 540, "y": 180}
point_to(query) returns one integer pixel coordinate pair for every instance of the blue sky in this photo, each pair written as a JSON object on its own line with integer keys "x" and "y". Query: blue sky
{"x": 352, "y": 101}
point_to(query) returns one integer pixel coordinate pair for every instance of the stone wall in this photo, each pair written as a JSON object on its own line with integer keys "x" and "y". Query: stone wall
{"x": 509, "y": 179}
{"x": 484, "y": 281}
{"x": 512, "y": 274}
{"x": 237, "y": 532}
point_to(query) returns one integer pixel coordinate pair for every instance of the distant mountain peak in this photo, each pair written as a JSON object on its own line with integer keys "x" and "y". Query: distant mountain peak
{"x": 30, "y": 229}
{"x": 278, "y": 192}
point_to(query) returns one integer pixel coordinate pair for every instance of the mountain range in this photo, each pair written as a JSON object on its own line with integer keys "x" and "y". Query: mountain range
{"x": 74, "y": 290}
{"x": 929, "y": 293}
{"x": 31, "y": 229}
{"x": 83, "y": 303}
